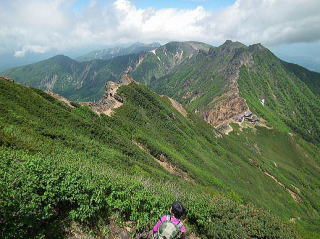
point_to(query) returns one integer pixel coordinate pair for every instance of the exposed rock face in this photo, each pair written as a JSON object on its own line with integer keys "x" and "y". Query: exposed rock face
{"x": 226, "y": 109}
{"x": 111, "y": 100}
{"x": 230, "y": 104}
{"x": 6, "y": 78}
{"x": 108, "y": 102}
{"x": 49, "y": 82}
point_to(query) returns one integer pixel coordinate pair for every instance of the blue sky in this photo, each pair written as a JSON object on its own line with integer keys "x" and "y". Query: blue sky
{"x": 183, "y": 4}
{"x": 161, "y": 4}
{"x": 80, "y": 5}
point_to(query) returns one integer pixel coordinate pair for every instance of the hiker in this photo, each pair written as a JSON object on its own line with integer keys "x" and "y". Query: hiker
{"x": 171, "y": 226}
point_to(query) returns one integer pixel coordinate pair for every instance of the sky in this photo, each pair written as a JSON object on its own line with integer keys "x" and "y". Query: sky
{"x": 164, "y": 4}
{"x": 291, "y": 28}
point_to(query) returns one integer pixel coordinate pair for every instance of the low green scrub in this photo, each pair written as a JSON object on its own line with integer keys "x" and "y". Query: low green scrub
{"x": 61, "y": 164}
{"x": 40, "y": 197}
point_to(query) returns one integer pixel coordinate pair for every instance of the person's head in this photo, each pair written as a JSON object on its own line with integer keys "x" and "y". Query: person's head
{"x": 177, "y": 209}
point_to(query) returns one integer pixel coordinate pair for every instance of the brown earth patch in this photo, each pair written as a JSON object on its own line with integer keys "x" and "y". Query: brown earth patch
{"x": 292, "y": 194}
{"x": 164, "y": 163}
{"x": 59, "y": 97}
{"x": 178, "y": 107}
{"x": 6, "y": 78}
{"x": 296, "y": 188}
{"x": 231, "y": 106}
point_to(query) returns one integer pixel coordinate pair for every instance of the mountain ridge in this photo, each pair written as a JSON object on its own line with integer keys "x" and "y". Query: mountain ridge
{"x": 204, "y": 78}
{"x": 147, "y": 137}
{"x": 109, "y": 53}
{"x": 227, "y": 100}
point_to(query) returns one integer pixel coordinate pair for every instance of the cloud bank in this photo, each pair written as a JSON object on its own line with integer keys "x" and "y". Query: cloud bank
{"x": 38, "y": 26}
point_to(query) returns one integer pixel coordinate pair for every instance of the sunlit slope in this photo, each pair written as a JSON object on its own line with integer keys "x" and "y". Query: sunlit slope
{"x": 147, "y": 140}
{"x": 285, "y": 95}
{"x": 236, "y": 78}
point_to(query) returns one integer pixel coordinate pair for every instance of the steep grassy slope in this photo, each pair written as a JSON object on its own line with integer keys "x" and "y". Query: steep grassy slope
{"x": 233, "y": 77}
{"x": 312, "y": 79}
{"x": 60, "y": 164}
{"x": 198, "y": 80}
{"x": 290, "y": 94}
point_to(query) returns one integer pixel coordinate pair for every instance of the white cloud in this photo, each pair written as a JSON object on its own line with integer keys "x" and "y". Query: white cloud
{"x": 43, "y": 25}
{"x": 30, "y": 48}
{"x": 269, "y": 21}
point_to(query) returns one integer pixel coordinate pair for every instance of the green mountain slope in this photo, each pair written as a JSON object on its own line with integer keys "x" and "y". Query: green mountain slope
{"x": 289, "y": 94}
{"x": 61, "y": 164}
{"x": 309, "y": 77}
{"x": 78, "y": 81}
{"x": 162, "y": 60}
{"x": 233, "y": 79}
{"x": 206, "y": 79}
{"x": 110, "y": 53}
{"x": 84, "y": 81}
{"x": 201, "y": 78}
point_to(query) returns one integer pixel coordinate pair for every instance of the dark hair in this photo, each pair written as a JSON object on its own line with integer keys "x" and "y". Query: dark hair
{"x": 178, "y": 209}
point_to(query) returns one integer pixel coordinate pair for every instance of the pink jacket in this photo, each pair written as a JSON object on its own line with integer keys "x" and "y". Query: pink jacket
{"x": 164, "y": 218}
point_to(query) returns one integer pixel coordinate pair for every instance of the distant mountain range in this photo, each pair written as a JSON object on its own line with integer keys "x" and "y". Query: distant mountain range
{"x": 311, "y": 63}
{"x": 221, "y": 128}
{"x": 85, "y": 80}
{"x": 219, "y": 83}
{"x": 9, "y": 60}
{"x": 110, "y": 53}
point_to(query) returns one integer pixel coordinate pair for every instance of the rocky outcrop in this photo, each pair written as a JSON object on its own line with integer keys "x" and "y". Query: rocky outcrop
{"x": 6, "y": 79}
{"x": 110, "y": 100}
{"x": 226, "y": 109}
{"x": 230, "y": 104}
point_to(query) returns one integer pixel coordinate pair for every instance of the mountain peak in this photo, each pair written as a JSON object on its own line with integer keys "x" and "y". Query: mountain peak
{"x": 257, "y": 47}
{"x": 61, "y": 59}
{"x": 231, "y": 44}
{"x": 227, "y": 42}
{"x": 57, "y": 57}
{"x": 189, "y": 46}
{"x": 227, "y": 48}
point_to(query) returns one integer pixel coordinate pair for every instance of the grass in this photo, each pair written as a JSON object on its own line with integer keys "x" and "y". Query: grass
{"x": 60, "y": 164}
